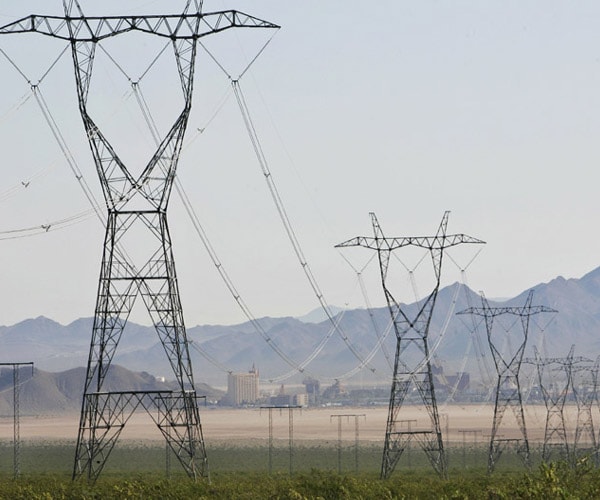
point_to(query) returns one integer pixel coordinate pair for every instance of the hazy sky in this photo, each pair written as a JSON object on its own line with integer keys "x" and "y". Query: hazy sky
{"x": 408, "y": 109}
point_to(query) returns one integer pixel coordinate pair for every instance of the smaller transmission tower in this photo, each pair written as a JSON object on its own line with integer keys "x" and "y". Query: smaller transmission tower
{"x": 554, "y": 378}
{"x": 508, "y": 366}
{"x": 412, "y": 366}
{"x": 16, "y": 367}
{"x": 584, "y": 380}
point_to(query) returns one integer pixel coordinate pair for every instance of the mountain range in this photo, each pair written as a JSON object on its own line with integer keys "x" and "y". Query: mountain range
{"x": 457, "y": 340}
{"x": 42, "y": 392}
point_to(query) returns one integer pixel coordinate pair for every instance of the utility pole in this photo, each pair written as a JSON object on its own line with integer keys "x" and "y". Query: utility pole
{"x": 16, "y": 415}
{"x": 137, "y": 254}
{"x": 412, "y": 366}
{"x": 474, "y": 433}
{"x": 340, "y": 417}
{"x": 290, "y": 433}
{"x": 508, "y": 366}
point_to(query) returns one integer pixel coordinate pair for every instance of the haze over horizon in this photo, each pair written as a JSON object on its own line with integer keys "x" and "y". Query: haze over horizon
{"x": 406, "y": 109}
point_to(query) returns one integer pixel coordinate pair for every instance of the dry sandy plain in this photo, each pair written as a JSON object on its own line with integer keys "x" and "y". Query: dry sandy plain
{"x": 246, "y": 426}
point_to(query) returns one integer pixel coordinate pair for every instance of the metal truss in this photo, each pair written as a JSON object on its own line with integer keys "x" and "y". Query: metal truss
{"x": 584, "y": 381}
{"x": 137, "y": 219}
{"x": 508, "y": 366}
{"x": 95, "y": 29}
{"x": 16, "y": 368}
{"x": 519, "y": 446}
{"x": 554, "y": 378}
{"x": 174, "y": 413}
{"x": 412, "y": 366}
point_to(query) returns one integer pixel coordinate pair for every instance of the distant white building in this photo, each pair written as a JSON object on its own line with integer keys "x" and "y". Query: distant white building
{"x": 242, "y": 388}
{"x": 301, "y": 399}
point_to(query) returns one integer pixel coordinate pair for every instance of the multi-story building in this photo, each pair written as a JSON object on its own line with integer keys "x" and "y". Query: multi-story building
{"x": 242, "y": 388}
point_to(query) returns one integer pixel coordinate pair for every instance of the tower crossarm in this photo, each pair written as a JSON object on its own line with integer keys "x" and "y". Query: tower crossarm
{"x": 578, "y": 360}
{"x": 498, "y": 311}
{"x": 430, "y": 242}
{"x": 541, "y": 362}
{"x": 174, "y": 27}
{"x": 553, "y": 361}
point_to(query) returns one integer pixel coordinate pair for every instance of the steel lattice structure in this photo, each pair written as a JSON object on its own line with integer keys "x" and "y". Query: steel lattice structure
{"x": 554, "y": 378}
{"x": 137, "y": 207}
{"x": 412, "y": 365}
{"x": 508, "y": 366}
{"x": 584, "y": 381}
{"x": 16, "y": 368}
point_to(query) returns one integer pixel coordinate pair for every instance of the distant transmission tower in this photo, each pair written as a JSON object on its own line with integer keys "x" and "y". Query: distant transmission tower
{"x": 412, "y": 366}
{"x": 508, "y": 366}
{"x": 554, "y": 378}
{"x": 16, "y": 368}
{"x": 137, "y": 208}
{"x": 585, "y": 389}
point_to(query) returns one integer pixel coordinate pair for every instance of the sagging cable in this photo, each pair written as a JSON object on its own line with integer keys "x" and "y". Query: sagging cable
{"x": 286, "y": 222}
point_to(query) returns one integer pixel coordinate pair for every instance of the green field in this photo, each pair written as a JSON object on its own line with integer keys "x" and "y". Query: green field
{"x": 141, "y": 471}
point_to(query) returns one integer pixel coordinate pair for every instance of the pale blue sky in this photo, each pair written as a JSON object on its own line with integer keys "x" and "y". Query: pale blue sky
{"x": 487, "y": 109}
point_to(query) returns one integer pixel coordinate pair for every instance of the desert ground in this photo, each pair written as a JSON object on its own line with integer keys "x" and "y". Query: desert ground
{"x": 241, "y": 426}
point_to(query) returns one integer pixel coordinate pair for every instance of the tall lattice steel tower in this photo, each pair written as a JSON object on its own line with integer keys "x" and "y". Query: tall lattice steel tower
{"x": 137, "y": 209}
{"x": 584, "y": 376}
{"x": 412, "y": 366}
{"x": 554, "y": 378}
{"x": 508, "y": 365}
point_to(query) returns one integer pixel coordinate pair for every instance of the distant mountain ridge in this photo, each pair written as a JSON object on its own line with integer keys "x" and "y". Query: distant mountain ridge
{"x": 54, "y": 347}
{"x": 43, "y": 393}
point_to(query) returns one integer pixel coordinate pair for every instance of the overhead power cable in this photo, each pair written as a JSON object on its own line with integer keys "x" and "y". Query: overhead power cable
{"x": 142, "y": 103}
{"x": 307, "y": 270}
{"x": 24, "y": 184}
{"x": 211, "y": 359}
{"x": 287, "y": 224}
{"x": 206, "y": 242}
{"x": 363, "y": 361}
{"x": 200, "y": 231}
{"x": 474, "y": 339}
{"x": 56, "y": 132}
{"x": 16, "y": 107}
{"x": 359, "y": 275}
{"x": 27, "y": 232}
{"x": 36, "y": 92}
{"x": 67, "y": 154}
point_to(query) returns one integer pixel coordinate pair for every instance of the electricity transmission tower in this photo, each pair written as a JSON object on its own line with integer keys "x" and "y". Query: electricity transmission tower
{"x": 412, "y": 365}
{"x": 508, "y": 366}
{"x": 16, "y": 368}
{"x": 554, "y": 378}
{"x": 585, "y": 389}
{"x": 137, "y": 254}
